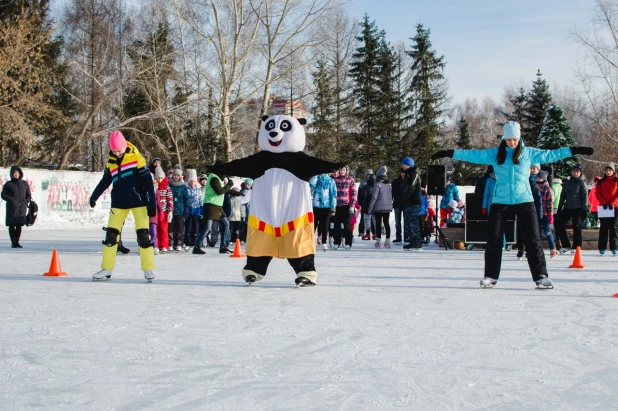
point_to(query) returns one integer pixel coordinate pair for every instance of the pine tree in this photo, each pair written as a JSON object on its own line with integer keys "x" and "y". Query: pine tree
{"x": 538, "y": 100}
{"x": 321, "y": 139}
{"x": 428, "y": 96}
{"x": 389, "y": 110}
{"x": 31, "y": 81}
{"x": 556, "y": 133}
{"x": 364, "y": 71}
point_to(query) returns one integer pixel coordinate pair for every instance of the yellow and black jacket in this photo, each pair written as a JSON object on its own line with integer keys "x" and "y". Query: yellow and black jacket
{"x": 132, "y": 182}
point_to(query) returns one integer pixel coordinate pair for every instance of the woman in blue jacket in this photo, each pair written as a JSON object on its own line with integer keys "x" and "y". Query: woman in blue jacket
{"x": 512, "y": 195}
{"x": 324, "y": 192}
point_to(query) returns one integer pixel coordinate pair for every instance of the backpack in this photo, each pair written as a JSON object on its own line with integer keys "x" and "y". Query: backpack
{"x": 33, "y": 210}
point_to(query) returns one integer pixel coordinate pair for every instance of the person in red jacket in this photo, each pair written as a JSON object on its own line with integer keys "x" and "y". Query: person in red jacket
{"x": 607, "y": 195}
{"x": 593, "y": 203}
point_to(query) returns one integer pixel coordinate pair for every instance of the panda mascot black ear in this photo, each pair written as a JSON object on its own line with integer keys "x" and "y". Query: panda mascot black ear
{"x": 302, "y": 121}
{"x": 264, "y": 117}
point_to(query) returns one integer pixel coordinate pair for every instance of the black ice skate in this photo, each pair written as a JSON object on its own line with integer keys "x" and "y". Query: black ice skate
{"x": 250, "y": 279}
{"x": 303, "y": 282}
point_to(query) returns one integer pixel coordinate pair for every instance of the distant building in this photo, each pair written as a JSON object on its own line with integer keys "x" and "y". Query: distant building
{"x": 280, "y": 105}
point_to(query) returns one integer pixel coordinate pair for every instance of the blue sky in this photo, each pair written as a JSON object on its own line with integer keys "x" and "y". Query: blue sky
{"x": 488, "y": 45}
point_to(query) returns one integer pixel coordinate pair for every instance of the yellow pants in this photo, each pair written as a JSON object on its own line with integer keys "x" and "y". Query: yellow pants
{"x": 116, "y": 220}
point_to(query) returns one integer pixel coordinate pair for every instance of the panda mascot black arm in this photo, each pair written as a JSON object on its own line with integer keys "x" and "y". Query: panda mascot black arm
{"x": 282, "y": 139}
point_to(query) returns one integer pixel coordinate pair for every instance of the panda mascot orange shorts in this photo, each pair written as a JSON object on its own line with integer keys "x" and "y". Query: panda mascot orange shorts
{"x": 281, "y": 215}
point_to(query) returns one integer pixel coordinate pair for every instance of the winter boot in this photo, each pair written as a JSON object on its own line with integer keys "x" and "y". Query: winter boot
{"x": 366, "y": 236}
{"x": 102, "y": 274}
{"x": 224, "y": 250}
{"x": 198, "y": 250}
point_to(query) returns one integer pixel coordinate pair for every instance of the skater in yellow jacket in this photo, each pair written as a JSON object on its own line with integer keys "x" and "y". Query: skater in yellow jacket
{"x": 132, "y": 191}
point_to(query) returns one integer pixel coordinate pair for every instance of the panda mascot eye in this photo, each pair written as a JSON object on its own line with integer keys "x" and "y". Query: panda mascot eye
{"x": 270, "y": 125}
{"x": 285, "y": 125}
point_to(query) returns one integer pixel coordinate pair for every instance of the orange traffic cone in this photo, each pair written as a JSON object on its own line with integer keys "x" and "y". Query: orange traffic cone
{"x": 616, "y": 295}
{"x": 237, "y": 250}
{"x": 577, "y": 260}
{"x": 54, "y": 268}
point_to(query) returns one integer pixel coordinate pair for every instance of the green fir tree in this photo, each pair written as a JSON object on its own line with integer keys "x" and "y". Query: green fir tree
{"x": 556, "y": 133}
{"x": 321, "y": 136}
{"x": 538, "y": 100}
{"x": 428, "y": 96}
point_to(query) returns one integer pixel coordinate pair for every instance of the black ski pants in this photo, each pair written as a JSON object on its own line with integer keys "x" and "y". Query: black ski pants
{"x": 529, "y": 226}
{"x": 14, "y": 234}
{"x": 342, "y": 216}
{"x": 609, "y": 229}
{"x": 322, "y": 218}
{"x": 562, "y": 218}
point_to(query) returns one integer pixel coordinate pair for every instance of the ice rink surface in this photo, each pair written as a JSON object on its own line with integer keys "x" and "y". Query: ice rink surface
{"x": 383, "y": 330}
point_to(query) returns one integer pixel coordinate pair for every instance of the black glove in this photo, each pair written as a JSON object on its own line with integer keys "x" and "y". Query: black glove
{"x": 582, "y": 150}
{"x": 442, "y": 154}
{"x": 230, "y": 183}
{"x": 92, "y": 203}
{"x": 605, "y": 206}
{"x": 152, "y": 211}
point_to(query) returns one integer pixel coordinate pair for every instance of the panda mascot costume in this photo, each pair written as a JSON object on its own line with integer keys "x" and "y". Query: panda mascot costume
{"x": 281, "y": 218}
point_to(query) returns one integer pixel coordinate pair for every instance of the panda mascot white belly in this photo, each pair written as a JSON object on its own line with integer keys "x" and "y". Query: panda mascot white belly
{"x": 280, "y": 223}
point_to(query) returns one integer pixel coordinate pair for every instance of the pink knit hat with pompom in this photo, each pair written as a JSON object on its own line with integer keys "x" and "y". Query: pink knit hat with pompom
{"x": 117, "y": 141}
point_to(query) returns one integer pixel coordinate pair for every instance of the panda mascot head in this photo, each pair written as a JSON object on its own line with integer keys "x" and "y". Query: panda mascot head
{"x": 281, "y": 134}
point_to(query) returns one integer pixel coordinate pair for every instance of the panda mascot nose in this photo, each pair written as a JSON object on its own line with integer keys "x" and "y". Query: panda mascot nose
{"x": 273, "y": 134}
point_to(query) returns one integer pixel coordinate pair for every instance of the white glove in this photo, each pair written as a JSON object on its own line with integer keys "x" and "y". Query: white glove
{"x": 170, "y": 216}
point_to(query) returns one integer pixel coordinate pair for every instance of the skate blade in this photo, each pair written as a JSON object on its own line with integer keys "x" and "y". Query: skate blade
{"x": 541, "y": 287}
{"x": 304, "y": 285}
{"x": 102, "y": 279}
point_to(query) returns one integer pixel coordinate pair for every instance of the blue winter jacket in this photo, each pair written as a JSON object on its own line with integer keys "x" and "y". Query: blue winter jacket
{"x": 512, "y": 184}
{"x": 488, "y": 194}
{"x": 324, "y": 191}
{"x": 424, "y": 205}
{"x": 536, "y": 195}
{"x": 181, "y": 199}
{"x": 450, "y": 193}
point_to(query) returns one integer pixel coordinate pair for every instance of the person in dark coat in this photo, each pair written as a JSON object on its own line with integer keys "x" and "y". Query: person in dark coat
{"x": 397, "y": 206}
{"x": 573, "y": 205}
{"x": 16, "y": 193}
{"x": 411, "y": 204}
{"x": 479, "y": 186}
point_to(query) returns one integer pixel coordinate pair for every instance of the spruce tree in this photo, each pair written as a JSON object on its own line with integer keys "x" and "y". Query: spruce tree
{"x": 389, "y": 111}
{"x": 364, "y": 71}
{"x": 538, "y": 100}
{"x": 520, "y": 104}
{"x": 428, "y": 96}
{"x": 321, "y": 138}
{"x": 33, "y": 112}
{"x": 556, "y": 133}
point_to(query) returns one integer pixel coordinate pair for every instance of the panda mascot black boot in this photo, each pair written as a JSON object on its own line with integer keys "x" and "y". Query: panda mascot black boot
{"x": 281, "y": 215}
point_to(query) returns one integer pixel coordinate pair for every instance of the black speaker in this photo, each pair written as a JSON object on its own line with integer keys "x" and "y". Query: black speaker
{"x": 436, "y": 179}
{"x": 474, "y": 207}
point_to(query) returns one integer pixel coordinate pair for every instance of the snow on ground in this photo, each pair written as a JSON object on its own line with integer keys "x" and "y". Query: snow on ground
{"x": 383, "y": 330}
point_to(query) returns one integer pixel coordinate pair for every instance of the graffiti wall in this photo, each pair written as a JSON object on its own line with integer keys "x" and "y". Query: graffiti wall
{"x": 63, "y": 192}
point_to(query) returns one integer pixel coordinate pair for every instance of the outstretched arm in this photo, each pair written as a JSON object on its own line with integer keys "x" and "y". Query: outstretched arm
{"x": 309, "y": 166}
{"x": 487, "y": 156}
{"x": 251, "y": 167}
